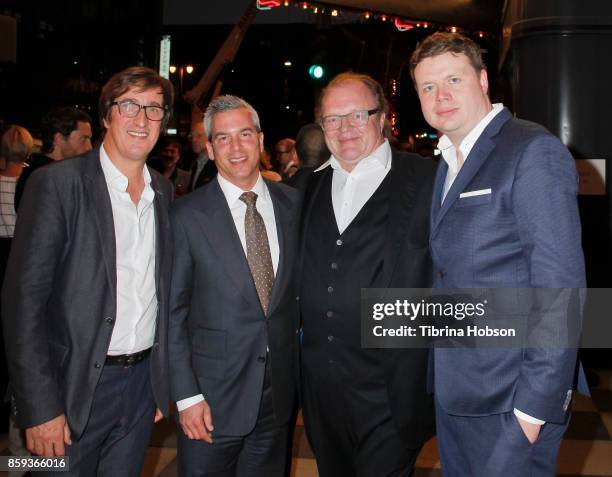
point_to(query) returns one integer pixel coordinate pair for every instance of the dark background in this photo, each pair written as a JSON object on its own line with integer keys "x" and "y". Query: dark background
{"x": 66, "y": 50}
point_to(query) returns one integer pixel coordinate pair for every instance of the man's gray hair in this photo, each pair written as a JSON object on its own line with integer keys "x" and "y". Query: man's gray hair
{"x": 224, "y": 103}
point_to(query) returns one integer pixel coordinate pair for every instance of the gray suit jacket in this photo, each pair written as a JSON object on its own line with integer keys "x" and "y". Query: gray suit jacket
{"x": 59, "y": 298}
{"x": 218, "y": 332}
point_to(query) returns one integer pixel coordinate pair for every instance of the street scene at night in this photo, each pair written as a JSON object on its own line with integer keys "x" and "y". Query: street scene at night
{"x": 223, "y": 223}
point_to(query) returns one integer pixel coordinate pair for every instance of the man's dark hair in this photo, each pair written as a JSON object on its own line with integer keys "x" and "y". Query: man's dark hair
{"x": 61, "y": 120}
{"x": 442, "y": 42}
{"x": 139, "y": 77}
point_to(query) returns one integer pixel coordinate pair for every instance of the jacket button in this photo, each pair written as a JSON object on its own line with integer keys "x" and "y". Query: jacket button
{"x": 97, "y": 365}
{"x": 330, "y": 338}
{"x": 261, "y": 359}
{"x": 334, "y": 266}
{"x": 330, "y": 289}
{"x": 338, "y": 242}
{"x": 109, "y": 320}
{"x": 329, "y": 314}
{"x": 297, "y": 298}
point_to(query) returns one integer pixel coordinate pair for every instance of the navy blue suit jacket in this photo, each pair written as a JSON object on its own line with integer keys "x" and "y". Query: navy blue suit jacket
{"x": 525, "y": 233}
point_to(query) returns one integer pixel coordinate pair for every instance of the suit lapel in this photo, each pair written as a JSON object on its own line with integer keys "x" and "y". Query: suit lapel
{"x": 436, "y": 201}
{"x": 217, "y": 224}
{"x": 162, "y": 228}
{"x": 401, "y": 206}
{"x": 284, "y": 212}
{"x": 312, "y": 190}
{"x": 103, "y": 216}
{"x": 475, "y": 160}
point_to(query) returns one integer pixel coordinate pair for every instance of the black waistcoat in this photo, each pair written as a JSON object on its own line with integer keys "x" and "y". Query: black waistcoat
{"x": 335, "y": 268}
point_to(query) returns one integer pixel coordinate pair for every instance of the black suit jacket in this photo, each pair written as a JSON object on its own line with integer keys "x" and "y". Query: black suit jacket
{"x": 59, "y": 298}
{"x": 36, "y": 161}
{"x": 218, "y": 330}
{"x": 407, "y": 264}
{"x": 207, "y": 174}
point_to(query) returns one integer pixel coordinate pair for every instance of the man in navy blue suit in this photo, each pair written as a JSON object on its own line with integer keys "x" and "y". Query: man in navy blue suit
{"x": 504, "y": 214}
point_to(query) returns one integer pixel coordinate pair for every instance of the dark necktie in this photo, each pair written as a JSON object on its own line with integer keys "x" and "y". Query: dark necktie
{"x": 258, "y": 250}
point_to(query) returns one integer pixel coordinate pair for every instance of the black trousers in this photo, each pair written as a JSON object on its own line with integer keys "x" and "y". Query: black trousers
{"x": 351, "y": 431}
{"x": 261, "y": 453}
{"x": 116, "y": 438}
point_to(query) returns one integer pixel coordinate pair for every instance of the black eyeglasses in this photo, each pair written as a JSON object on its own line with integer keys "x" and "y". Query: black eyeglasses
{"x": 131, "y": 109}
{"x": 355, "y": 119}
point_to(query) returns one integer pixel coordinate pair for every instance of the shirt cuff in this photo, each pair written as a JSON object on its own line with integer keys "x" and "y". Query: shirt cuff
{"x": 526, "y": 417}
{"x": 188, "y": 402}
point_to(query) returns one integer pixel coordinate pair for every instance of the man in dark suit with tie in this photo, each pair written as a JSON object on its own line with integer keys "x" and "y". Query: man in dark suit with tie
{"x": 85, "y": 305}
{"x": 233, "y": 318}
{"x": 504, "y": 215}
{"x": 365, "y": 224}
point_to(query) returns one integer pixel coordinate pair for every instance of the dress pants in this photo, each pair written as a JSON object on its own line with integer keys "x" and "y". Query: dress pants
{"x": 495, "y": 446}
{"x": 351, "y": 431}
{"x": 117, "y": 434}
{"x": 261, "y": 453}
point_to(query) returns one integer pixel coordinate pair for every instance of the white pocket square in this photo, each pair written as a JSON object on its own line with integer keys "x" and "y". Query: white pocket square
{"x": 473, "y": 193}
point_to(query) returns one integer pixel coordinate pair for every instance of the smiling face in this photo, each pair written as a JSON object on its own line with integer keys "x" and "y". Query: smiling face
{"x": 132, "y": 139}
{"x": 453, "y": 94}
{"x": 235, "y": 147}
{"x": 350, "y": 144}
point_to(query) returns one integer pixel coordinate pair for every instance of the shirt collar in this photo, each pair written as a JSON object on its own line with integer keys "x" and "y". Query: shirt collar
{"x": 232, "y": 192}
{"x": 119, "y": 181}
{"x": 445, "y": 143}
{"x": 381, "y": 157}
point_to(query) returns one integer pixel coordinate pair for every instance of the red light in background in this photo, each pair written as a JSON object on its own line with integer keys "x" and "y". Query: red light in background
{"x": 268, "y": 4}
{"x": 403, "y": 26}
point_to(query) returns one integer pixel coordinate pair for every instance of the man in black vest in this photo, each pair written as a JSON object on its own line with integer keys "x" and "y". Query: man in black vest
{"x": 364, "y": 225}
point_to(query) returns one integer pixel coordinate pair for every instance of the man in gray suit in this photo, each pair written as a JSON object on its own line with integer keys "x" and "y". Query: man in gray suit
{"x": 85, "y": 305}
{"x": 233, "y": 315}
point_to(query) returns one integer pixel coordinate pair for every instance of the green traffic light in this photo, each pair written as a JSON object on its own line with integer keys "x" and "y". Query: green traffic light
{"x": 316, "y": 71}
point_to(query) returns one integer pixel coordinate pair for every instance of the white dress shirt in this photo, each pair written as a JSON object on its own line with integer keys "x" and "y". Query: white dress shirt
{"x": 449, "y": 154}
{"x": 136, "y": 317}
{"x": 238, "y": 209}
{"x": 351, "y": 190}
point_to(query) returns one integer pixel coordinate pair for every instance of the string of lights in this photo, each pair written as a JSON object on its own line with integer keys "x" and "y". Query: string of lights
{"x": 402, "y": 24}
{"x": 349, "y": 14}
